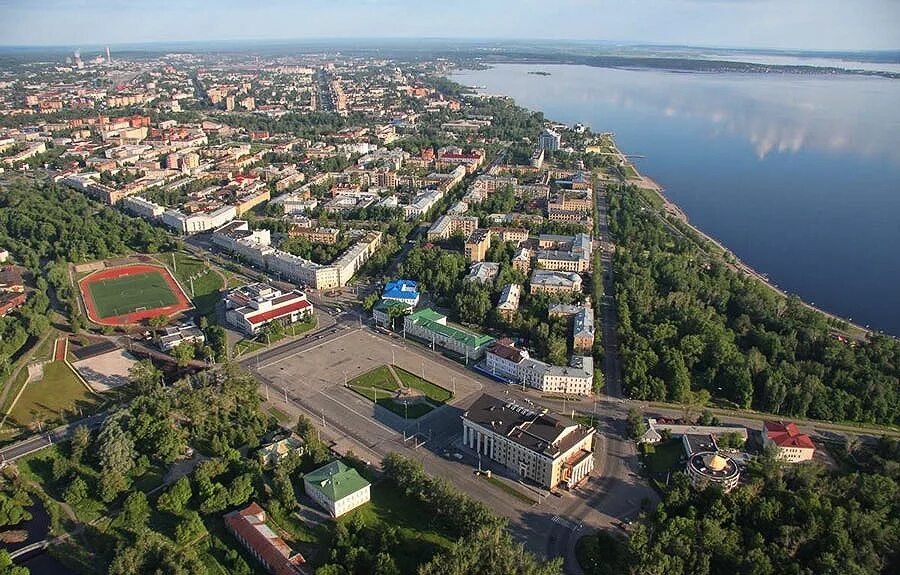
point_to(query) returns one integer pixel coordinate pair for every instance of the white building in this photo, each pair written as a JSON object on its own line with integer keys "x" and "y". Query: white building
{"x": 549, "y": 140}
{"x": 337, "y": 488}
{"x": 252, "y": 307}
{"x": 200, "y": 221}
{"x": 547, "y": 449}
{"x": 504, "y": 360}
{"x": 138, "y": 206}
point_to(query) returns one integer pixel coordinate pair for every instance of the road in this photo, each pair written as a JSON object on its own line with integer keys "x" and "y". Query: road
{"x": 44, "y": 440}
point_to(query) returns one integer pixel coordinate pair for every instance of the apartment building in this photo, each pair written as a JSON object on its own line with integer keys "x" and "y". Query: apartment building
{"x": 553, "y": 282}
{"x": 508, "y": 304}
{"x": 477, "y": 245}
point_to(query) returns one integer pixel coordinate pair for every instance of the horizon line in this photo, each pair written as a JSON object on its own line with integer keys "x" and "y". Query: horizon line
{"x": 458, "y": 39}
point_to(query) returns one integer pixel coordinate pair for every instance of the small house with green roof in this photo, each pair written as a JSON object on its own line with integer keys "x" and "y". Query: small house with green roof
{"x": 337, "y": 488}
{"x": 433, "y": 328}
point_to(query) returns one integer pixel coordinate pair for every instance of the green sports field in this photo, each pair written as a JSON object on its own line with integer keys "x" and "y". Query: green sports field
{"x": 118, "y": 296}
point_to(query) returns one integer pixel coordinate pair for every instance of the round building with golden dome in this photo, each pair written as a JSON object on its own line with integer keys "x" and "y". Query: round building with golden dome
{"x": 713, "y": 467}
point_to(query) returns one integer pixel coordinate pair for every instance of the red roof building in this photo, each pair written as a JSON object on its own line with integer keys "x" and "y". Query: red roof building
{"x": 248, "y": 526}
{"x": 788, "y": 441}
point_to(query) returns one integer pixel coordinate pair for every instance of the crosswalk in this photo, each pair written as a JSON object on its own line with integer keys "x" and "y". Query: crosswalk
{"x": 565, "y": 523}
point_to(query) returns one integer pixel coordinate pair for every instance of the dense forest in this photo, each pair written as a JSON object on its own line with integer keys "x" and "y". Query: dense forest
{"x": 42, "y": 222}
{"x": 786, "y": 520}
{"x": 688, "y": 321}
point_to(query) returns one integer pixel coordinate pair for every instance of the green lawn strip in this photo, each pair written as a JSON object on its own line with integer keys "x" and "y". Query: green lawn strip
{"x": 665, "y": 457}
{"x": 280, "y": 416}
{"x": 433, "y": 392}
{"x": 56, "y": 398}
{"x": 509, "y": 489}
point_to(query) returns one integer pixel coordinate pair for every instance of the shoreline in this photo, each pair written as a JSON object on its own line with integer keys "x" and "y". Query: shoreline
{"x": 642, "y": 182}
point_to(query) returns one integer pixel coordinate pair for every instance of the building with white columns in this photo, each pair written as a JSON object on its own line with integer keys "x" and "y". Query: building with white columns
{"x": 547, "y": 449}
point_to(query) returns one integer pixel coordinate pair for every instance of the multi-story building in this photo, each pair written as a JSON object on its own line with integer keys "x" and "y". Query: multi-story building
{"x": 338, "y": 488}
{"x": 315, "y": 235}
{"x": 477, "y": 245}
{"x": 522, "y": 260}
{"x": 517, "y": 235}
{"x": 582, "y": 323}
{"x": 565, "y": 253}
{"x": 508, "y": 304}
{"x": 549, "y": 140}
{"x": 252, "y": 307}
{"x": 707, "y": 465}
{"x": 483, "y": 272}
{"x": 789, "y": 443}
{"x": 142, "y": 208}
{"x": 404, "y": 291}
{"x": 433, "y": 328}
{"x": 503, "y": 359}
{"x": 446, "y": 226}
{"x": 175, "y": 335}
{"x": 547, "y": 449}
{"x": 199, "y": 221}
{"x": 553, "y": 282}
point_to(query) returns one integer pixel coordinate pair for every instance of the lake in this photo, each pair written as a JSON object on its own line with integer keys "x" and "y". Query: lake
{"x": 799, "y": 175}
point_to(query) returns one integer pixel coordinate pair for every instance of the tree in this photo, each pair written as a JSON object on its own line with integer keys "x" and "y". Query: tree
{"x": 135, "y": 512}
{"x": 117, "y": 457}
{"x": 635, "y": 423}
{"x": 176, "y": 497}
{"x": 81, "y": 439}
{"x": 241, "y": 489}
{"x": 190, "y": 528}
{"x": 76, "y": 493}
{"x": 8, "y": 568}
{"x": 184, "y": 353}
{"x": 12, "y": 507}
{"x": 145, "y": 376}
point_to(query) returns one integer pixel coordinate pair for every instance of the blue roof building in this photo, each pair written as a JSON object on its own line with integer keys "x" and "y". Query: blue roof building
{"x": 405, "y": 291}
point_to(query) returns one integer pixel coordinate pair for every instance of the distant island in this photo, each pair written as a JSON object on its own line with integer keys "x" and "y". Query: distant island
{"x": 540, "y": 73}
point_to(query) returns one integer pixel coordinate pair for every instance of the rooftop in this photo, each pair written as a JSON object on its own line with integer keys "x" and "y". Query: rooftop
{"x": 787, "y": 435}
{"x": 539, "y": 431}
{"x": 336, "y": 480}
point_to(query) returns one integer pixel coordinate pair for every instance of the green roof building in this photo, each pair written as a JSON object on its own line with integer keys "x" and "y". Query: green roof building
{"x": 337, "y": 488}
{"x": 433, "y": 328}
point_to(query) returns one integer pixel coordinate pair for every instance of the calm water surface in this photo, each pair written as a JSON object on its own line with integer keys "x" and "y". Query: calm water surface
{"x": 798, "y": 175}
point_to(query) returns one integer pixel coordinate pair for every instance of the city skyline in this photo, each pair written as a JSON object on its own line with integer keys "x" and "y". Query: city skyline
{"x": 797, "y": 24}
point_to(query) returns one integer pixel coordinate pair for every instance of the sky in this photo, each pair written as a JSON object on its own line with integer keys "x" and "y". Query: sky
{"x": 786, "y": 24}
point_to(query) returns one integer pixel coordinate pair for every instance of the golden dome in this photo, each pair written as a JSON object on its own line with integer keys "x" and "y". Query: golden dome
{"x": 715, "y": 462}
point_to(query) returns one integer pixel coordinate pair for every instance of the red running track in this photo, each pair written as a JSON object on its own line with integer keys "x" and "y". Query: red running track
{"x": 183, "y": 304}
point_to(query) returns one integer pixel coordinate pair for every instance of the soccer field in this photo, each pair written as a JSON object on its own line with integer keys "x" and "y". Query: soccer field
{"x": 126, "y": 294}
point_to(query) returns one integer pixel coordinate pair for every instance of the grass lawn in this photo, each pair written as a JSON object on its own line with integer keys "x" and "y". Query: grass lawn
{"x": 379, "y": 386}
{"x": 207, "y": 283}
{"x": 280, "y": 416}
{"x": 509, "y": 489}
{"x": 433, "y": 392}
{"x": 666, "y": 457}
{"x": 419, "y": 540}
{"x": 55, "y": 398}
{"x": 117, "y": 296}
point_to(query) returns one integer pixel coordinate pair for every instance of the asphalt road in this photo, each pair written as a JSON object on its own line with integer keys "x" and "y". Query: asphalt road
{"x": 43, "y": 440}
